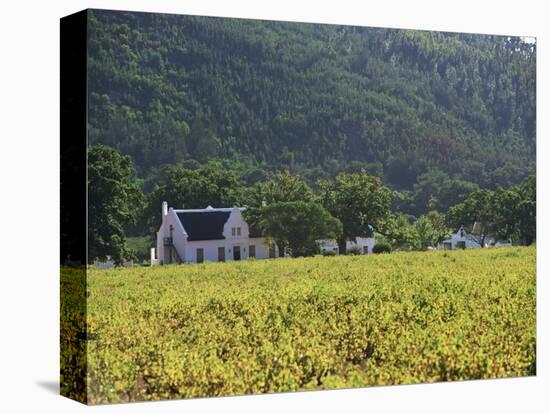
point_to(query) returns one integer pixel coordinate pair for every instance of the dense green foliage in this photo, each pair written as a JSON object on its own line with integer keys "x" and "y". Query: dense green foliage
{"x": 307, "y": 323}
{"x": 318, "y": 99}
{"x": 508, "y": 214}
{"x": 434, "y": 190}
{"x": 280, "y": 187}
{"x": 208, "y": 184}
{"x": 359, "y": 201}
{"x": 141, "y": 246}
{"x": 381, "y": 248}
{"x": 298, "y": 225}
{"x": 284, "y": 208}
{"x": 402, "y": 232}
{"x": 115, "y": 201}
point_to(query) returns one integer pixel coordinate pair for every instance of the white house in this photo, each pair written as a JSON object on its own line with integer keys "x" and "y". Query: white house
{"x": 462, "y": 240}
{"x": 366, "y": 245}
{"x": 209, "y": 234}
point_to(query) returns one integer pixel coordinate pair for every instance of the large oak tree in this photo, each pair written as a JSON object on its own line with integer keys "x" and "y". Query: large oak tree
{"x": 114, "y": 201}
{"x": 359, "y": 201}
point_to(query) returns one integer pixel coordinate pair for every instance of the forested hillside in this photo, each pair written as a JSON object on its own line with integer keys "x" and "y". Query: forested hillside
{"x": 414, "y": 107}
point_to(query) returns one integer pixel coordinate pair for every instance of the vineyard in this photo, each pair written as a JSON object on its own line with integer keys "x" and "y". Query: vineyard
{"x": 303, "y": 324}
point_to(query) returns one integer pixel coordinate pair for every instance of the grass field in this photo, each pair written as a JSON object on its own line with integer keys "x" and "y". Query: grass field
{"x": 312, "y": 323}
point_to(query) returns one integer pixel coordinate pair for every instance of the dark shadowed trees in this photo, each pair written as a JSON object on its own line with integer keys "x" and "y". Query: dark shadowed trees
{"x": 114, "y": 201}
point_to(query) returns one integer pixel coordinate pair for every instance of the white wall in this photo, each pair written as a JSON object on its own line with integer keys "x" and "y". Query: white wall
{"x": 211, "y": 248}
{"x": 235, "y": 220}
{"x": 331, "y": 245}
{"x": 363, "y": 242}
{"x": 179, "y": 236}
{"x": 457, "y": 238}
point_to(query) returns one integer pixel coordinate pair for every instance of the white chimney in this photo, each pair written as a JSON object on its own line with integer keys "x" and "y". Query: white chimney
{"x": 164, "y": 209}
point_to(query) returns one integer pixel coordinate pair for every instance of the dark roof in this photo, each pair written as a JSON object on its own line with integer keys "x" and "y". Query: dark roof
{"x": 203, "y": 225}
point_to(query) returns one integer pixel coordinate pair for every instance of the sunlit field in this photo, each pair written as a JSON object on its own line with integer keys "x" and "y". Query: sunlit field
{"x": 309, "y": 323}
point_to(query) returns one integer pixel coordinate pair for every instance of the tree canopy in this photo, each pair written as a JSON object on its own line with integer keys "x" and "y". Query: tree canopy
{"x": 358, "y": 200}
{"x": 507, "y": 214}
{"x": 208, "y": 184}
{"x": 298, "y": 225}
{"x": 115, "y": 201}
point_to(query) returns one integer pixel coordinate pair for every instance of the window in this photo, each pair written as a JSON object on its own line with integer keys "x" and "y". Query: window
{"x": 233, "y": 231}
{"x": 238, "y": 231}
{"x": 200, "y": 255}
{"x": 252, "y": 251}
{"x": 447, "y": 246}
{"x": 221, "y": 254}
{"x": 365, "y": 249}
{"x": 460, "y": 245}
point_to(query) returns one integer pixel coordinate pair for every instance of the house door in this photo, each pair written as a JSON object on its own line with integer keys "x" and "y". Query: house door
{"x": 236, "y": 252}
{"x": 221, "y": 254}
{"x": 200, "y": 255}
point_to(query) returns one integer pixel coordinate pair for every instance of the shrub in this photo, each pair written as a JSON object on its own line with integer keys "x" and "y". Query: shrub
{"x": 354, "y": 250}
{"x": 381, "y": 248}
{"x": 329, "y": 253}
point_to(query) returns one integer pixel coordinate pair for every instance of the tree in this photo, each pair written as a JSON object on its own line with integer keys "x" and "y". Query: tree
{"x": 204, "y": 145}
{"x": 435, "y": 190}
{"x": 527, "y": 210}
{"x": 477, "y": 214}
{"x": 114, "y": 201}
{"x": 400, "y": 233}
{"x": 358, "y": 200}
{"x": 431, "y": 229}
{"x": 515, "y": 217}
{"x": 439, "y": 225}
{"x": 507, "y": 218}
{"x": 280, "y": 187}
{"x": 509, "y": 214}
{"x": 209, "y": 184}
{"x": 297, "y": 225}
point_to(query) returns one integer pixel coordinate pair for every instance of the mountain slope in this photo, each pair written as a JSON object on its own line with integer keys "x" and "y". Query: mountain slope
{"x": 317, "y": 99}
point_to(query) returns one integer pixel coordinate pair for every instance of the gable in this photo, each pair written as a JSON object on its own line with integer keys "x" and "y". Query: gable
{"x": 203, "y": 225}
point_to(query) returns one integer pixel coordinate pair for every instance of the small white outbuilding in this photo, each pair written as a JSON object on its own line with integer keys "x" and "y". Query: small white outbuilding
{"x": 461, "y": 240}
{"x": 366, "y": 244}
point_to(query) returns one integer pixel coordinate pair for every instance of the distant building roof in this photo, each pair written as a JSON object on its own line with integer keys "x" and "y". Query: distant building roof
{"x": 207, "y": 223}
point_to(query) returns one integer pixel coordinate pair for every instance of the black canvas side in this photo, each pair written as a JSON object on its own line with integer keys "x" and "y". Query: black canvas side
{"x": 73, "y": 252}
